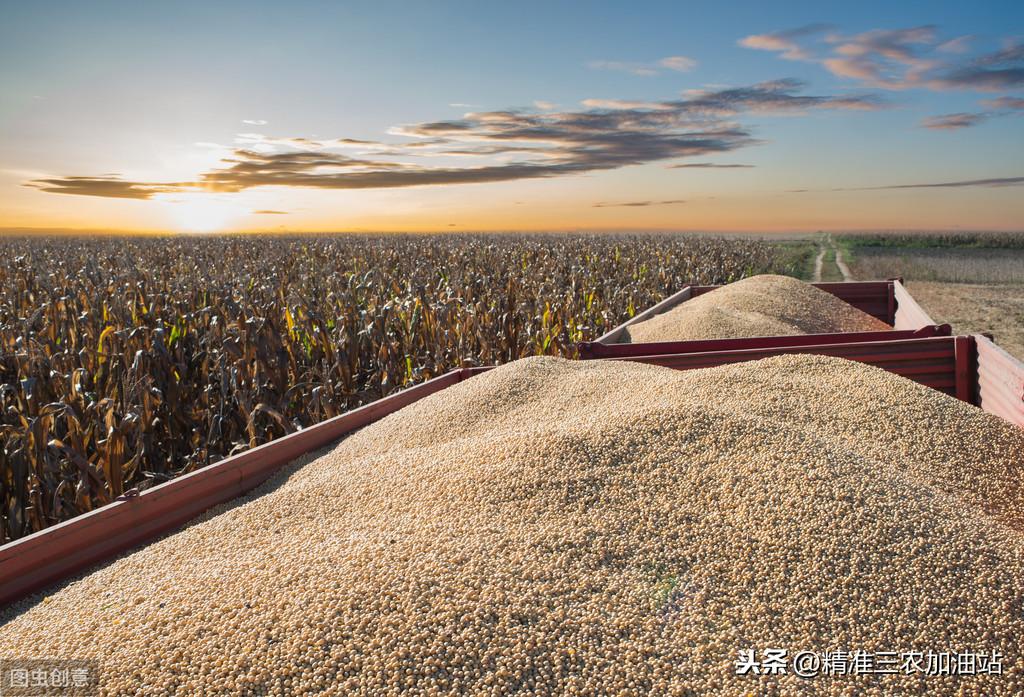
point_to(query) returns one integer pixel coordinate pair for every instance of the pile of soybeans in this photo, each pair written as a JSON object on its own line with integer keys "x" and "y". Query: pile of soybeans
{"x": 764, "y": 305}
{"x": 555, "y": 527}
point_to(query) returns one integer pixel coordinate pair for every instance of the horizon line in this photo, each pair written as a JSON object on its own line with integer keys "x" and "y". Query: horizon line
{"x": 108, "y": 232}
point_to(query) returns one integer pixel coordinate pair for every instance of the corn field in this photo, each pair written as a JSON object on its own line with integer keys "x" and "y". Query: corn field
{"x": 127, "y": 361}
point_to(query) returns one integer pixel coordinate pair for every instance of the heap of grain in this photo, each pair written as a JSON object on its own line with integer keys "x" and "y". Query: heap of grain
{"x": 557, "y": 527}
{"x": 764, "y": 305}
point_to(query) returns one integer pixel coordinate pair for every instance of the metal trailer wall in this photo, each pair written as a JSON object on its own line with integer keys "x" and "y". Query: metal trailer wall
{"x": 937, "y": 362}
{"x": 888, "y": 301}
{"x": 34, "y": 561}
{"x": 999, "y": 381}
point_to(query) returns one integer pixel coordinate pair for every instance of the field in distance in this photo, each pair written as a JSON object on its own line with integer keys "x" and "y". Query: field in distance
{"x": 973, "y": 281}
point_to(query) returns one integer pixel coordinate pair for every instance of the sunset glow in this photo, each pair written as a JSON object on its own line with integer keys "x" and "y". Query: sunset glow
{"x": 201, "y": 212}
{"x": 866, "y": 116}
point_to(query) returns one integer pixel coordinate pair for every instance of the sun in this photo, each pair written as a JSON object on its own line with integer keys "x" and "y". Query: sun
{"x": 201, "y": 212}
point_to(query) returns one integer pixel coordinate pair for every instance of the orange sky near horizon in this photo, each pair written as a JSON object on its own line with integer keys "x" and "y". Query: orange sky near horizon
{"x": 551, "y": 206}
{"x": 332, "y": 117}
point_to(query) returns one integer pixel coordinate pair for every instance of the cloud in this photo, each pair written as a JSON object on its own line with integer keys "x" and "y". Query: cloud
{"x": 778, "y": 96}
{"x": 255, "y": 122}
{"x": 785, "y": 42}
{"x": 960, "y": 44}
{"x": 639, "y": 204}
{"x": 891, "y": 59}
{"x": 625, "y": 104}
{"x": 106, "y": 186}
{"x": 269, "y": 212}
{"x": 681, "y": 64}
{"x": 1002, "y": 106}
{"x": 952, "y": 122}
{"x": 264, "y": 143}
{"x": 518, "y": 144}
{"x": 708, "y": 165}
{"x": 994, "y": 182}
{"x": 1005, "y": 104}
{"x": 899, "y": 59}
{"x": 545, "y": 106}
{"x": 991, "y": 72}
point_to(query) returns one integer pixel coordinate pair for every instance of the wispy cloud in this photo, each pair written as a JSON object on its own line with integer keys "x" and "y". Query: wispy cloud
{"x": 639, "y": 204}
{"x": 270, "y": 212}
{"x": 267, "y": 143}
{"x": 1008, "y": 104}
{"x": 961, "y": 44}
{"x": 254, "y": 122}
{"x": 787, "y": 42}
{"x": 522, "y": 144}
{"x": 679, "y": 64}
{"x": 891, "y": 59}
{"x": 991, "y": 72}
{"x": 994, "y": 182}
{"x": 952, "y": 122}
{"x": 626, "y": 104}
{"x": 1002, "y": 106}
{"x": 105, "y": 186}
{"x": 708, "y": 165}
{"x": 899, "y": 59}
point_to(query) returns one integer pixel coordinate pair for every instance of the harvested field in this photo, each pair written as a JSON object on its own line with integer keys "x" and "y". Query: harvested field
{"x": 973, "y": 265}
{"x": 972, "y": 308}
{"x": 558, "y": 527}
{"x": 765, "y": 305}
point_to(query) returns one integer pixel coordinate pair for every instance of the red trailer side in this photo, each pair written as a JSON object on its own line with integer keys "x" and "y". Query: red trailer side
{"x": 999, "y": 381}
{"x": 888, "y": 301}
{"x": 57, "y": 552}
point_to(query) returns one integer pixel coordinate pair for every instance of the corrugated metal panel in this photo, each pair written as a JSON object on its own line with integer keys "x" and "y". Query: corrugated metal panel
{"x": 1000, "y": 381}
{"x": 594, "y": 349}
{"x": 49, "y": 555}
{"x": 909, "y": 314}
{"x": 871, "y": 297}
{"x": 885, "y": 300}
{"x": 671, "y": 301}
{"x": 931, "y": 361}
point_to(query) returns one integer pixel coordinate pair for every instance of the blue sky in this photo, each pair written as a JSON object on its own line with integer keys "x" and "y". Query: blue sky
{"x": 133, "y": 115}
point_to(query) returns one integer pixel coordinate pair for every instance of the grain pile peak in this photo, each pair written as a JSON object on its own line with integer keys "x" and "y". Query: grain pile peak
{"x": 765, "y": 305}
{"x": 559, "y": 527}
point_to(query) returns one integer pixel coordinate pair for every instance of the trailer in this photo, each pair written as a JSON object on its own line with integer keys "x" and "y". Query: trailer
{"x": 888, "y": 301}
{"x": 971, "y": 368}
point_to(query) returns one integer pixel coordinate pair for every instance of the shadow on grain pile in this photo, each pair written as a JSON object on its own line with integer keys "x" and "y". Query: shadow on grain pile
{"x": 559, "y": 527}
{"x": 765, "y": 305}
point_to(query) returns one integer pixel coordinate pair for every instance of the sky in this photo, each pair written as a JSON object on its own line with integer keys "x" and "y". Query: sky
{"x": 463, "y": 116}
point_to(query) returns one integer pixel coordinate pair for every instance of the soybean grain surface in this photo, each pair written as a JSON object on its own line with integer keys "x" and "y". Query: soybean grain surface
{"x": 558, "y": 527}
{"x": 765, "y": 305}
